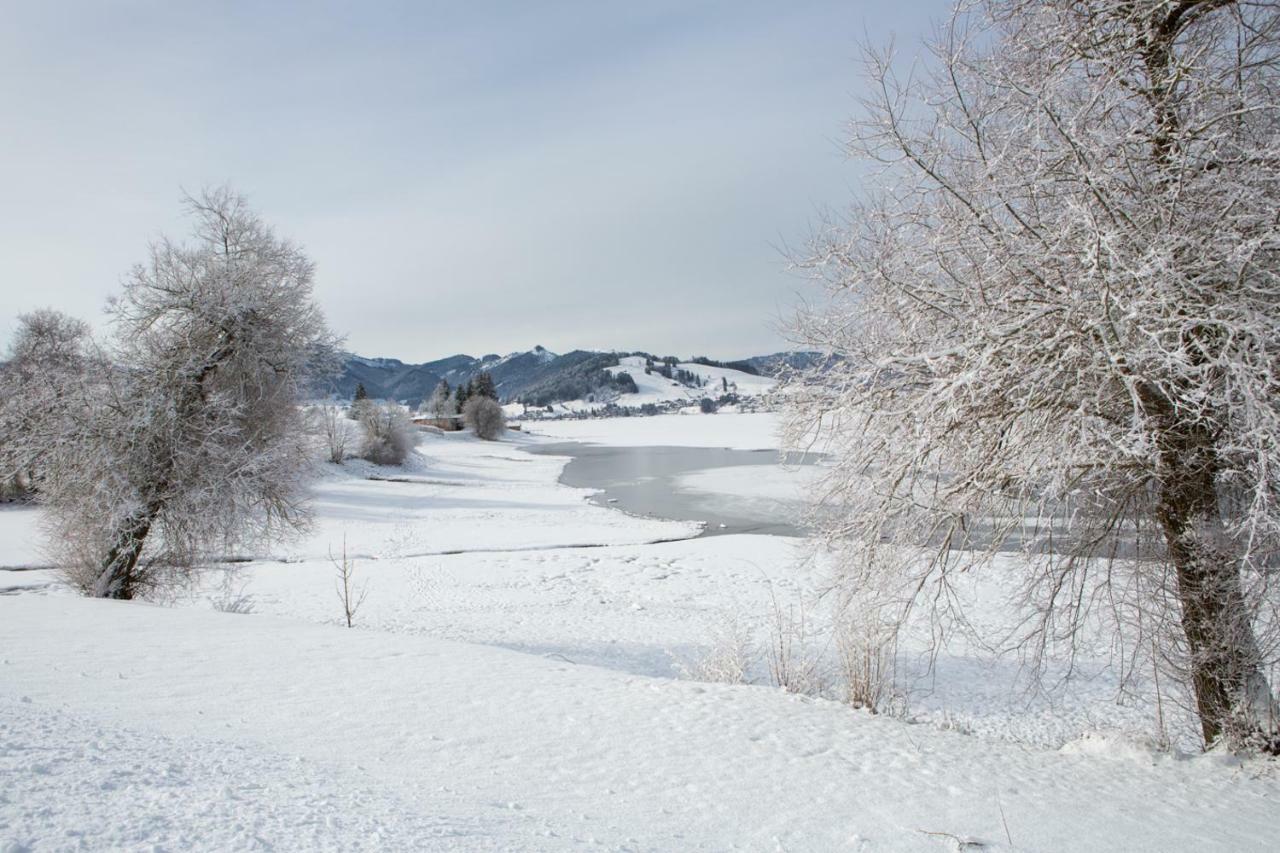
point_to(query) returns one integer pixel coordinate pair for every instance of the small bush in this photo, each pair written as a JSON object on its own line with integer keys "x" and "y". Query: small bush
{"x": 485, "y": 417}
{"x": 332, "y": 426}
{"x": 388, "y": 434}
{"x": 866, "y": 658}
{"x": 794, "y": 661}
{"x": 231, "y": 596}
{"x": 729, "y": 660}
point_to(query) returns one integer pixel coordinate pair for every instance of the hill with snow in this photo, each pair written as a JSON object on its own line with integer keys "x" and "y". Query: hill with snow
{"x": 654, "y": 386}
{"x": 578, "y": 379}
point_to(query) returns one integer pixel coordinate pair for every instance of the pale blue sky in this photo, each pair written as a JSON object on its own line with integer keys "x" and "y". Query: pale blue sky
{"x": 468, "y": 177}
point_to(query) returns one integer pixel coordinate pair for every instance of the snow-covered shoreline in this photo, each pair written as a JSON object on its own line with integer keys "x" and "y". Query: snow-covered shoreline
{"x": 755, "y": 431}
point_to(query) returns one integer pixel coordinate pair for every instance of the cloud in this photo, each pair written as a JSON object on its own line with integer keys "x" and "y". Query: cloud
{"x": 467, "y": 179}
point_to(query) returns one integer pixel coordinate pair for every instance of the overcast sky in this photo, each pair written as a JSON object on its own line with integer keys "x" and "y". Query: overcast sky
{"x": 468, "y": 177}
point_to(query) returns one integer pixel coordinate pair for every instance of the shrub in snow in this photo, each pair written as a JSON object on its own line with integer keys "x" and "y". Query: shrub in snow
{"x": 332, "y": 427}
{"x": 1059, "y": 314}
{"x": 389, "y": 435}
{"x": 484, "y": 417}
{"x": 865, "y": 651}
{"x": 730, "y": 659}
{"x": 231, "y": 596}
{"x": 793, "y": 655}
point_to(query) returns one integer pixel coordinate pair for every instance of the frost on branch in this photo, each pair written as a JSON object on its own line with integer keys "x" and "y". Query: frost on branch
{"x": 1059, "y": 317}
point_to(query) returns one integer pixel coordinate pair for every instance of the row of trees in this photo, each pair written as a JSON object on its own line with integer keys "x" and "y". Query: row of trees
{"x": 446, "y": 401}
{"x": 1057, "y": 322}
{"x": 589, "y": 378}
{"x": 181, "y": 433}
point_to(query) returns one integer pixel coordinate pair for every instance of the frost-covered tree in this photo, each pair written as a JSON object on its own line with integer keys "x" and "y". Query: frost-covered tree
{"x": 442, "y": 403}
{"x": 331, "y": 426}
{"x": 389, "y": 434}
{"x": 485, "y": 417}
{"x": 50, "y": 356}
{"x": 1058, "y": 318}
{"x": 194, "y": 440}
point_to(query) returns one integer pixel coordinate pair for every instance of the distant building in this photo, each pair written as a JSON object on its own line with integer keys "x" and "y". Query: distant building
{"x": 448, "y": 423}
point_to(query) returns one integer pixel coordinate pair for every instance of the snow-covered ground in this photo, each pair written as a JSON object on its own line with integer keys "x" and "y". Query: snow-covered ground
{"x": 757, "y": 431}
{"x": 132, "y": 727}
{"x": 460, "y": 494}
{"x": 513, "y": 683}
{"x": 655, "y": 389}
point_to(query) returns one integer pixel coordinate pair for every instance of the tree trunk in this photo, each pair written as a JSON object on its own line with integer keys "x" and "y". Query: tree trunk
{"x": 1232, "y": 696}
{"x": 118, "y": 577}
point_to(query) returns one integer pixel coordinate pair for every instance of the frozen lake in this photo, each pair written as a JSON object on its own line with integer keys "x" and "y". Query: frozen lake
{"x": 749, "y": 491}
{"x": 691, "y": 484}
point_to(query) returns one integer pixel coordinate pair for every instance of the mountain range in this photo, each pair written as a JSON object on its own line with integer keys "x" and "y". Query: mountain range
{"x": 532, "y": 374}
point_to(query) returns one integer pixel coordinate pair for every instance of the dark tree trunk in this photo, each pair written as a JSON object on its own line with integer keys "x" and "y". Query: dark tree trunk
{"x": 119, "y": 576}
{"x": 1224, "y": 656}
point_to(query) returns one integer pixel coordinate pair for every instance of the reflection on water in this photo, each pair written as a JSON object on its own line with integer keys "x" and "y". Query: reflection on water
{"x": 643, "y": 481}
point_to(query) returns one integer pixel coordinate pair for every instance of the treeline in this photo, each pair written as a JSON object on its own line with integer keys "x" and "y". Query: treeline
{"x": 653, "y": 361}
{"x": 740, "y": 366}
{"x": 586, "y": 380}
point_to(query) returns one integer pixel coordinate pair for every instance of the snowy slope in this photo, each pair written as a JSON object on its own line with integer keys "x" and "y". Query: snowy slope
{"x": 132, "y": 726}
{"x": 504, "y": 689}
{"x": 655, "y": 388}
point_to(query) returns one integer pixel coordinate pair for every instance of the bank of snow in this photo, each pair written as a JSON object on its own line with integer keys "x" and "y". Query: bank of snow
{"x": 461, "y": 494}
{"x": 755, "y": 431}
{"x": 135, "y": 726}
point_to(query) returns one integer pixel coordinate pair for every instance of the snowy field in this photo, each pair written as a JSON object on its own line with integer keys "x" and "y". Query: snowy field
{"x": 519, "y": 678}
{"x": 653, "y": 387}
{"x": 738, "y": 432}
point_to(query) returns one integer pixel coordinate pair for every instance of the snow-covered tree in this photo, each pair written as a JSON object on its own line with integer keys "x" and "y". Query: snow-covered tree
{"x": 389, "y": 434}
{"x": 1059, "y": 317}
{"x": 332, "y": 427}
{"x": 51, "y": 354}
{"x": 442, "y": 403}
{"x": 194, "y": 440}
{"x": 485, "y": 417}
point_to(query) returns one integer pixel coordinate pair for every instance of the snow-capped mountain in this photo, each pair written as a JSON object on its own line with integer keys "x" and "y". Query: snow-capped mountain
{"x": 541, "y": 377}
